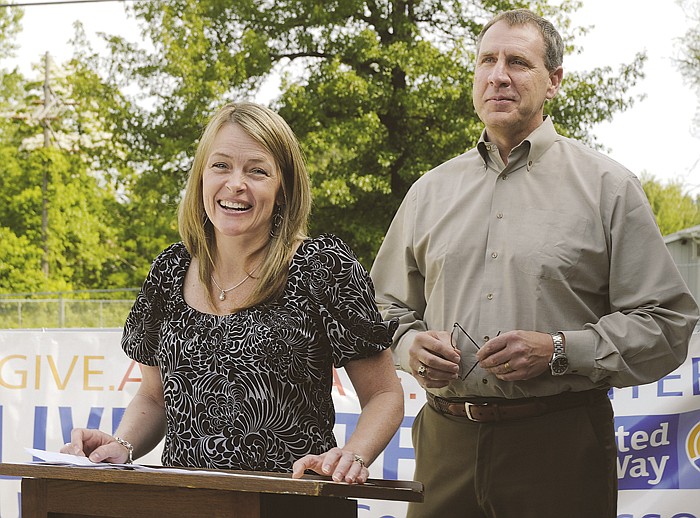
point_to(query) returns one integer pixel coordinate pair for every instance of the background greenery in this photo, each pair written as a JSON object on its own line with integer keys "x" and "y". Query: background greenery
{"x": 378, "y": 92}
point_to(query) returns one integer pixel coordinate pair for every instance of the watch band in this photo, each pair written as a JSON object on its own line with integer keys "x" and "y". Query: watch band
{"x": 558, "y": 339}
{"x": 559, "y": 364}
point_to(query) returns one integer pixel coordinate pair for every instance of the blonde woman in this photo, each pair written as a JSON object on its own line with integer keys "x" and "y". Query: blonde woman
{"x": 238, "y": 327}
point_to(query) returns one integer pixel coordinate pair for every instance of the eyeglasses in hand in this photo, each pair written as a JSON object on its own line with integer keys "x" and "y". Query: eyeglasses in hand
{"x": 454, "y": 337}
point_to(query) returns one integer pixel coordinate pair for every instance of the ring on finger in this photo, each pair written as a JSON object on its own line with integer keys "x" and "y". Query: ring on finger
{"x": 422, "y": 370}
{"x": 507, "y": 368}
{"x": 359, "y": 460}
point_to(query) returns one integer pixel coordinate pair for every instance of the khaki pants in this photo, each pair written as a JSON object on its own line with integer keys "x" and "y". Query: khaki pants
{"x": 559, "y": 465}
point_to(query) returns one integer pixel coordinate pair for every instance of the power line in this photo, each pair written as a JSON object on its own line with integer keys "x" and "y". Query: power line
{"x": 61, "y": 2}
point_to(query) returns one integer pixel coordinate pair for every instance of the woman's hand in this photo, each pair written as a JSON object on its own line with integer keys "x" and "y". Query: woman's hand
{"x": 381, "y": 398}
{"x": 96, "y": 445}
{"x": 341, "y": 465}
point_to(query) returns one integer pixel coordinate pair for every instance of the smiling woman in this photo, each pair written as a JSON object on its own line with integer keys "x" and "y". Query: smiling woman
{"x": 250, "y": 187}
{"x": 241, "y": 188}
{"x": 237, "y": 329}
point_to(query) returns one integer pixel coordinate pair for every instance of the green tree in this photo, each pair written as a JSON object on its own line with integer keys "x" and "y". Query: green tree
{"x": 20, "y": 264}
{"x": 11, "y": 81}
{"x": 377, "y": 90}
{"x": 673, "y": 209}
{"x": 78, "y": 231}
{"x": 121, "y": 149}
{"x": 79, "y": 238}
{"x": 100, "y": 128}
{"x": 10, "y": 25}
{"x": 100, "y": 233}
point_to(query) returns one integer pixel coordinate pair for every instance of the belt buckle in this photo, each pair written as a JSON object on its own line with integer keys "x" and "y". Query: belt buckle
{"x": 468, "y": 409}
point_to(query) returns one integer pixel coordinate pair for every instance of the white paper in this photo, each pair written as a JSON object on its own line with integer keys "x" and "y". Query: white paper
{"x": 66, "y": 459}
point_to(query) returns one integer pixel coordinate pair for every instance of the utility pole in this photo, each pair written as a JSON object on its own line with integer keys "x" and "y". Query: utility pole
{"x": 45, "y": 178}
{"x": 51, "y": 108}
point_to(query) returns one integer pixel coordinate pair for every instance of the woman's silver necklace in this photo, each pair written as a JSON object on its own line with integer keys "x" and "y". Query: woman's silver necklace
{"x": 222, "y": 295}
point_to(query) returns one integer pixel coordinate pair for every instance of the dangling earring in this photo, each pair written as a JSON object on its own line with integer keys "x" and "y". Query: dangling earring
{"x": 277, "y": 220}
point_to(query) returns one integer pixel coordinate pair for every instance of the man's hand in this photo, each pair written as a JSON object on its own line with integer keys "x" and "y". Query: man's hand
{"x": 433, "y": 360}
{"x": 516, "y": 355}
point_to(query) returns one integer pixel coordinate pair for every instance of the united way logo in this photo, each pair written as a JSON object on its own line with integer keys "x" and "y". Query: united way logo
{"x": 692, "y": 446}
{"x": 657, "y": 451}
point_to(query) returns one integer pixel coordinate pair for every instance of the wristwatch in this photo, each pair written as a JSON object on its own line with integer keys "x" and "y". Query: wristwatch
{"x": 559, "y": 363}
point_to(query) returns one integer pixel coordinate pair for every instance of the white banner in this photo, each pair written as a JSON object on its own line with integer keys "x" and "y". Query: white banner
{"x": 52, "y": 381}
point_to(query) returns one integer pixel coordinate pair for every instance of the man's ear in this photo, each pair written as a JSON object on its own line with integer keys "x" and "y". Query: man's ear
{"x": 555, "y": 78}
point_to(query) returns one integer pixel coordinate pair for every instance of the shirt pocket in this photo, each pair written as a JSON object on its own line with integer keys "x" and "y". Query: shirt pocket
{"x": 549, "y": 244}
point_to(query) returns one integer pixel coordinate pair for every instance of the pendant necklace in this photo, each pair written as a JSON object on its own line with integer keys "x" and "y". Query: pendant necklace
{"x": 222, "y": 295}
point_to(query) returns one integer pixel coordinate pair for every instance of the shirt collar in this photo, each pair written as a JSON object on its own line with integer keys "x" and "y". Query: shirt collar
{"x": 532, "y": 147}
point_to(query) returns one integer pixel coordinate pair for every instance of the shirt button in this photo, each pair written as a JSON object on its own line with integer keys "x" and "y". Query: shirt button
{"x": 504, "y": 177}
{"x": 494, "y": 254}
{"x": 489, "y": 296}
{"x": 499, "y": 215}
{"x": 484, "y": 381}
{"x": 486, "y": 338}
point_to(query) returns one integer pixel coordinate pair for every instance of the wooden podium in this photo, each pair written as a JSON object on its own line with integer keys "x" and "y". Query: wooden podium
{"x": 80, "y": 492}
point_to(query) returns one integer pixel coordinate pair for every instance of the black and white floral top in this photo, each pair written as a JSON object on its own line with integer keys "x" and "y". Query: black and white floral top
{"x": 252, "y": 390}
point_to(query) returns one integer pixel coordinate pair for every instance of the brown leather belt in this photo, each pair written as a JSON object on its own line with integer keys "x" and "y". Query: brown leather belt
{"x": 510, "y": 409}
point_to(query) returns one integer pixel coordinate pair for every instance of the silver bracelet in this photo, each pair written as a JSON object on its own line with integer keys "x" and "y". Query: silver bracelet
{"x": 129, "y": 448}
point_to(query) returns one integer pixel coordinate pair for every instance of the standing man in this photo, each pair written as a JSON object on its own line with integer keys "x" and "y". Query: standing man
{"x": 529, "y": 276}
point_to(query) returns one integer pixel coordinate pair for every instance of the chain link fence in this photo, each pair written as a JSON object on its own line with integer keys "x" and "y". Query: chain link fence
{"x": 76, "y": 309}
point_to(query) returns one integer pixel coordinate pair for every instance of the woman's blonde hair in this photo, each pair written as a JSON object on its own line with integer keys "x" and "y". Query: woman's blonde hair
{"x": 272, "y": 132}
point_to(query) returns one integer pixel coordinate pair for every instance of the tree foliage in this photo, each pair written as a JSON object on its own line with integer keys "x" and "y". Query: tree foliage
{"x": 44, "y": 169}
{"x": 79, "y": 230}
{"x": 11, "y": 91}
{"x": 673, "y": 209}
{"x": 378, "y": 91}
{"x": 10, "y": 25}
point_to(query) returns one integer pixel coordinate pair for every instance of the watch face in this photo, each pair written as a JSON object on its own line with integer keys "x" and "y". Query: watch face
{"x": 559, "y": 365}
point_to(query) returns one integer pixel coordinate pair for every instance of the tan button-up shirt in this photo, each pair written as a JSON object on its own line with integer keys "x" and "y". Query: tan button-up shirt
{"x": 561, "y": 239}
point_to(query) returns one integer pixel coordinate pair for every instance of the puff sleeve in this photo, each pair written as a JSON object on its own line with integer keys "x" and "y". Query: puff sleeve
{"x": 342, "y": 293}
{"x": 142, "y": 329}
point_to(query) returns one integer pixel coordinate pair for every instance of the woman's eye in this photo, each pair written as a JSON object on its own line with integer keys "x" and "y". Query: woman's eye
{"x": 218, "y": 165}
{"x": 258, "y": 171}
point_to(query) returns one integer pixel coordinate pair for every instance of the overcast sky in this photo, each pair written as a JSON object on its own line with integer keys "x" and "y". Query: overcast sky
{"x": 654, "y": 137}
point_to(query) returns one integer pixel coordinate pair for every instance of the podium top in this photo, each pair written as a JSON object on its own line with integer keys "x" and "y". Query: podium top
{"x": 223, "y": 480}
